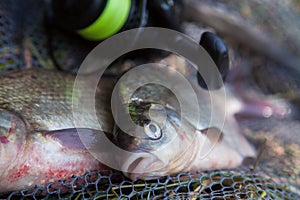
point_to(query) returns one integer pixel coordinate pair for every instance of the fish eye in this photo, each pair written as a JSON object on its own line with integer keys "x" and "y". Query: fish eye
{"x": 153, "y": 131}
{"x": 6, "y": 122}
{"x": 11, "y": 125}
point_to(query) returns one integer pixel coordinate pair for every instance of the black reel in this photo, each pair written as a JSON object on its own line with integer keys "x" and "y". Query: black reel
{"x": 217, "y": 50}
{"x": 97, "y": 20}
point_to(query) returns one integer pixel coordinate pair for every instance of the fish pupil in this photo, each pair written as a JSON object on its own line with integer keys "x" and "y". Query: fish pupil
{"x": 153, "y": 129}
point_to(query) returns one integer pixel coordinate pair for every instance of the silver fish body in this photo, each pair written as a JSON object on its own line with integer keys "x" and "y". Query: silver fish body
{"x": 40, "y": 142}
{"x": 170, "y": 136}
{"x": 38, "y": 139}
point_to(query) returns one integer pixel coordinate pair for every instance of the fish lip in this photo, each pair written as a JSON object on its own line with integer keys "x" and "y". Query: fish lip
{"x": 142, "y": 166}
{"x": 147, "y": 165}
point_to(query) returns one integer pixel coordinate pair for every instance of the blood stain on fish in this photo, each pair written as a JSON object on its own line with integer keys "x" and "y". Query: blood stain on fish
{"x": 21, "y": 172}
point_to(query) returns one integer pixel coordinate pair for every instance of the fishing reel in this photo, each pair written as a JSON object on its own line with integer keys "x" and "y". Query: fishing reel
{"x": 218, "y": 51}
{"x": 97, "y": 20}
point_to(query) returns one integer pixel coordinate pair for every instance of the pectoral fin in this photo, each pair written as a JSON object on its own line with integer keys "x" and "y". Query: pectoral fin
{"x": 70, "y": 139}
{"x": 214, "y": 135}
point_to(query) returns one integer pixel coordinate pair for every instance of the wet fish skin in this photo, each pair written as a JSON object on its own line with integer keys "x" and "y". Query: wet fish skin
{"x": 43, "y": 158}
{"x": 38, "y": 139}
{"x": 52, "y": 145}
{"x": 185, "y": 144}
{"x": 44, "y": 98}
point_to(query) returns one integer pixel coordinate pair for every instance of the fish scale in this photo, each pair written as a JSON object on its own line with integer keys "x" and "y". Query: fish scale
{"x": 40, "y": 102}
{"x": 182, "y": 129}
{"x": 43, "y": 144}
{"x": 38, "y": 95}
{"x": 45, "y": 99}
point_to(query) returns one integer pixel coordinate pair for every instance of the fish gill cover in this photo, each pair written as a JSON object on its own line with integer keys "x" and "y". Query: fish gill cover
{"x": 24, "y": 43}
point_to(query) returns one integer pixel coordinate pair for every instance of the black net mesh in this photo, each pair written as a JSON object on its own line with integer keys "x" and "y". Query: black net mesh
{"x": 27, "y": 41}
{"x": 10, "y": 53}
{"x": 225, "y": 184}
{"x": 24, "y": 43}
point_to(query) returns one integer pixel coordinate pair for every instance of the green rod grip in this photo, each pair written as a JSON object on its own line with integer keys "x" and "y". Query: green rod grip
{"x": 109, "y": 22}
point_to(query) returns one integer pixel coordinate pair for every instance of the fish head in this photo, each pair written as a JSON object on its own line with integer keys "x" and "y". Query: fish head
{"x": 168, "y": 136}
{"x": 157, "y": 142}
{"x": 164, "y": 142}
{"x": 12, "y": 138}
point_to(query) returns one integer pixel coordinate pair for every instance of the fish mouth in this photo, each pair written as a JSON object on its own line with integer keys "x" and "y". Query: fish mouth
{"x": 143, "y": 165}
{"x": 147, "y": 165}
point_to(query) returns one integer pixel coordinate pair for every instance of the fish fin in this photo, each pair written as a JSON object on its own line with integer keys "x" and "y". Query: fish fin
{"x": 70, "y": 139}
{"x": 214, "y": 134}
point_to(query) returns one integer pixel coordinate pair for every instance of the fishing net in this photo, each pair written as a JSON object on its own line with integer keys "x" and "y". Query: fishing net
{"x": 26, "y": 42}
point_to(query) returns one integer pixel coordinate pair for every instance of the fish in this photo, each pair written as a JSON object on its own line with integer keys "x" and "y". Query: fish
{"x": 168, "y": 137}
{"x": 40, "y": 141}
